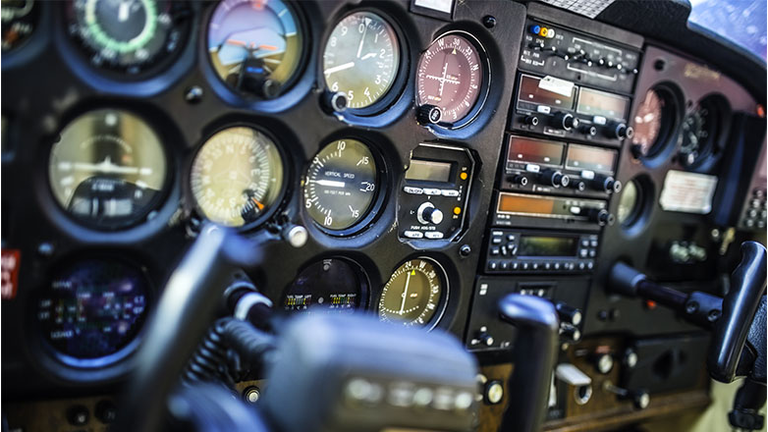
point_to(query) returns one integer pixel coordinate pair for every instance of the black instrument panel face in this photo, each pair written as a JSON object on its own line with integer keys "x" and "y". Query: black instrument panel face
{"x": 219, "y": 116}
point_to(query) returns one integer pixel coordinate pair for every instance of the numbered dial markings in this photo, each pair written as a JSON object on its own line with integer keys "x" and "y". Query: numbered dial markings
{"x": 237, "y": 176}
{"x": 450, "y": 76}
{"x": 414, "y": 293}
{"x": 361, "y": 58}
{"x": 341, "y": 184}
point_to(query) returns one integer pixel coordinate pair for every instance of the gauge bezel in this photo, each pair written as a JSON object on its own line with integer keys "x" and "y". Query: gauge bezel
{"x": 365, "y": 289}
{"x": 671, "y": 117}
{"x": 279, "y": 198}
{"x": 163, "y": 61}
{"x": 96, "y": 369}
{"x": 290, "y": 84}
{"x": 640, "y": 213}
{"x": 157, "y": 202}
{"x": 720, "y": 109}
{"x": 401, "y": 76}
{"x": 374, "y": 208}
{"x": 486, "y": 76}
{"x": 444, "y": 296}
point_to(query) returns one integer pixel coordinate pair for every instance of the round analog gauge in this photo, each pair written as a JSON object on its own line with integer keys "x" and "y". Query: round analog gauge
{"x": 361, "y": 58}
{"x": 19, "y": 18}
{"x": 330, "y": 285}
{"x": 108, "y": 169}
{"x": 698, "y": 133}
{"x": 237, "y": 176}
{"x": 340, "y": 184}
{"x": 653, "y": 121}
{"x": 255, "y": 46}
{"x": 415, "y": 294}
{"x": 129, "y": 35}
{"x": 629, "y": 203}
{"x": 93, "y": 310}
{"x": 450, "y": 75}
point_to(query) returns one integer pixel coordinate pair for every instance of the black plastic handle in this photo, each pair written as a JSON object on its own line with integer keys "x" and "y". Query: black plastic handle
{"x": 535, "y": 352}
{"x": 739, "y": 307}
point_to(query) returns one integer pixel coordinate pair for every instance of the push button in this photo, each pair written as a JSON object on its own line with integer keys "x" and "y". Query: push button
{"x": 413, "y": 190}
{"x": 414, "y": 234}
{"x": 433, "y": 235}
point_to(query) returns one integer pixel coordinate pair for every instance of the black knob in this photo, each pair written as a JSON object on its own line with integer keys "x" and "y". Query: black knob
{"x": 586, "y": 129}
{"x": 606, "y": 183}
{"x": 484, "y": 338}
{"x": 570, "y": 332}
{"x": 531, "y": 120}
{"x": 519, "y": 179}
{"x": 106, "y": 411}
{"x": 601, "y": 216}
{"x": 637, "y": 151}
{"x": 429, "y": 114}
{"x": 566, "y": 121}
{"x": 78, "y": 415}
{"x": 554, "y": 178}
{"x": 568, "y": 314}
{"x": 579, "y": 185}
{"x": 335, "y": 102}
{"x": 603, "y": 362}
{"x": 429, "y": 214}
{"x": 640, "y": 398}
{"x": 619, "y": 130}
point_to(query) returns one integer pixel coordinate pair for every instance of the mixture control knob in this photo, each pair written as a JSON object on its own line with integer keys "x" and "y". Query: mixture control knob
{"x": 589, "y": 130}
{"x": 606, "y": 183}
{"x": 619, "y": 130}
{"x": 429, "y": 114}
{"x": 519, "y": 179}
{"x": 554, "y": 178}
{"x": 602, "y": 217}
{"x": 566, "y": 121}
{"x": 568, "y": 314}
{"x": 429, "y": 214}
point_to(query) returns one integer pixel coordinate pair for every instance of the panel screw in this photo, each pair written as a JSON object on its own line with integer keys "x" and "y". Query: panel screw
{"x": 45, "y": 249}
{"x": 465, "y": 250}
{"x": 691, "y": 307}
{"x": 713, "y": 315}
{"x": 194, "y": 94}
{"x": 252, "y": 395}
{"x": 489, "y": 21}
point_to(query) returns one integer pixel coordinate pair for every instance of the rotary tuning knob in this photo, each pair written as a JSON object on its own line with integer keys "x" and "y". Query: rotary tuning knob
{"x": 428, "y": 114}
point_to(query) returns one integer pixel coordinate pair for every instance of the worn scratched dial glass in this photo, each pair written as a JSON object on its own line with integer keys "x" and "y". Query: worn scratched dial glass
{"x": 237, "y": 176}
{"x": 414, "y": 294}
{"x": 361, "y": 58}
{"x": 450, "y": 76}
{"x": 107, "y": 169}
{"x": 255, "y": 46}
{"x": 341, "y": 184}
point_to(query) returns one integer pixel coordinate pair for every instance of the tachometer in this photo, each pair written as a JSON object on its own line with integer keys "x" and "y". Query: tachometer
{"x": 128, "y": 35}
{"x": 237, "y": 176}
{"x": 93, "y": 309}
{"x": 654, "y": 121}
{"x": 107, "y": 169}
{"x": 255, "y": 46}
{"x": 341, "y": 184}
{"x": 361, "y": 58}
{"x": 416, "y": 294}
{"x": 451, "y": 75}
{"x": 331, "y": 285}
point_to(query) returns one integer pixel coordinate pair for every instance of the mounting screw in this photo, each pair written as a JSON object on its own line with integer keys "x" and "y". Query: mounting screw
{"x": 713, "y": 315}
{"x": 465, "y": 250}
{"x": 252, "y": 395}
{"x": 691, "y": 307}
{"x": 45, "y": 249}
{"x": 489, "y": 21}
{"x": 193, "y": 94}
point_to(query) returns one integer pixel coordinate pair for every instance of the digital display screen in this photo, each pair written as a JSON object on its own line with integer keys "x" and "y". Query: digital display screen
{"x": 531, "y": 92}
{"x": 596, "y": 103}
{"x": 590, "y": 158}
{"x": 535, "y": 151}
{"x": 522, "y": 204}
{"x": 432, "y": 171}
{"x": 547, "y": 246}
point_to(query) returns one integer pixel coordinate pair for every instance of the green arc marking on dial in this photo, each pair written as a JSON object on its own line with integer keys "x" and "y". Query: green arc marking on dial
{"x": 101, "y": 37}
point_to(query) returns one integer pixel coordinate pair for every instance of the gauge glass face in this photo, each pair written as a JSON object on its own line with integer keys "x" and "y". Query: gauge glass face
{"x": 414, "y": 293}
{"x": 450, "y": 76}
{"x": 341, "y": 184}
{"x": 361, "y": 58}
{"x": 94, "y": 308}
{"x": 128, "y": 35}
{"x": 629, "y": 203}
{"x": 697, "y": 133}
{"x": 237, "y": 176}
{"x": 329, "y": 286}
{"x": 19, "y": 18}
{"x": 652, "y": 115}
{"x": 255, "y": 46}
{"x": 108, "y": 169}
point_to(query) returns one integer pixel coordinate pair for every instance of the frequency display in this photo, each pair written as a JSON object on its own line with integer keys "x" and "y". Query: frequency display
{"x": 535, "y": 151}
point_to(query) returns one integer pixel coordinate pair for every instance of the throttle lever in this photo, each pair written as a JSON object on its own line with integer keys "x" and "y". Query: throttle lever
{"x": 738, "y": 312}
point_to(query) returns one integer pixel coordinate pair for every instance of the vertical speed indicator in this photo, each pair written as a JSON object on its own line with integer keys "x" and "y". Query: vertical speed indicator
{"x": 452, "y": 75}
{"x": 340, "y": 186}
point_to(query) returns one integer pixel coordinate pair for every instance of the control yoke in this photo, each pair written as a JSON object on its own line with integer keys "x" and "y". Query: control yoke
{"x": 737, "y": 322}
